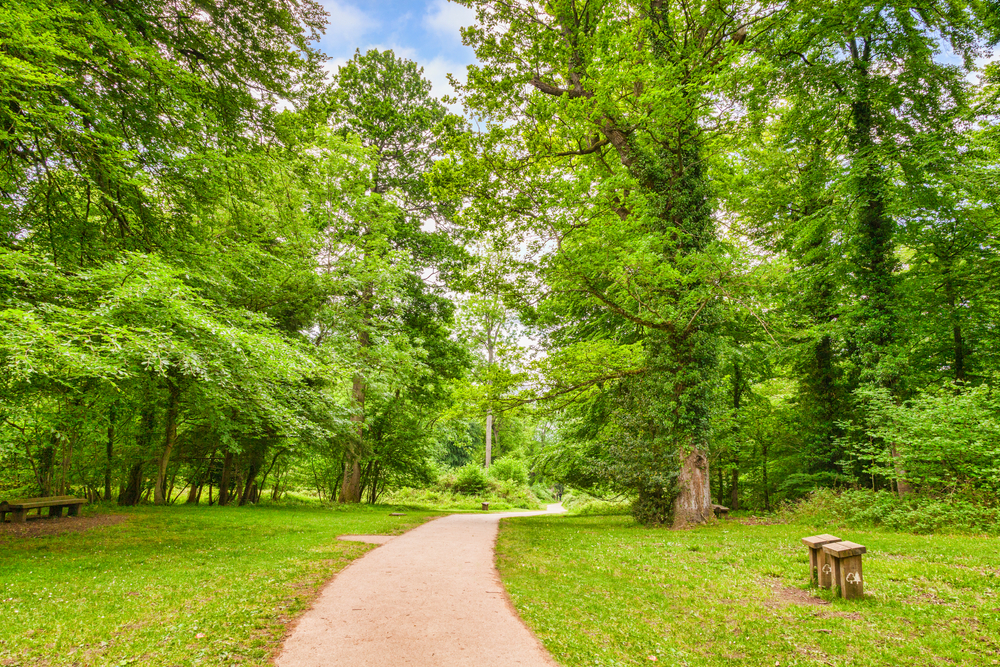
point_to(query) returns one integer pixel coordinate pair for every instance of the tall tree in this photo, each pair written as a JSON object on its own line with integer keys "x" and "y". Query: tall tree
{"x": 599, "y": 149}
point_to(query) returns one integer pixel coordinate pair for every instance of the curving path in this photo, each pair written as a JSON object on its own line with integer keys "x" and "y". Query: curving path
{"x": 430, "y": 597}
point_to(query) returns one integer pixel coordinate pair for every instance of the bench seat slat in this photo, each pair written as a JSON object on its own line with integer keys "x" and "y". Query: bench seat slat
{"x": 33, "y": 503}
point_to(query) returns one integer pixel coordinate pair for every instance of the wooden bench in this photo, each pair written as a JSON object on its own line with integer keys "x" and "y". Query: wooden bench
{"x": 720, "y": 511}
{"x": 18, "y": 509}
{"x": 820, "y": 570}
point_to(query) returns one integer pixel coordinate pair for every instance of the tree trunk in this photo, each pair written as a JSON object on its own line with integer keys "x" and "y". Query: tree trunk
{"x": 694, "y": 498}
{"x": 193, "y": 493}
{"x": 263, "y": 480}
{"x": 958, "y": 345}
{"x": 767, "y": 495}
{"x": 252, "y": 471}
{"x": 489, "y": 438}
{"x": 734, "y": 487}
{"x": 46, "y": 466}
{"x": 350, "y": 488}
{"x": 875, "y": 246}
{"x": 67, "y": 460}
{"x": 134, "y": 486}
{"x": 227, "y": 467}
{"x": 196, "y": 487}
{"x": 133, "y": 489}
{"x": 169, "y": 438}
{"x": 110, "y": 450}
{"x": 490, "y": 352}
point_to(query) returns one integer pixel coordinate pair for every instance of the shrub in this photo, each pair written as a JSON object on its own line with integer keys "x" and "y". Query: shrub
{"x": 947, "y": 441}
{"x": 543, "y": 493}
{"x": 863, "y": 508}
{"x": 578, "y": 502}
{"x": 470, "y": 479}
{"x": 512, "y": 470}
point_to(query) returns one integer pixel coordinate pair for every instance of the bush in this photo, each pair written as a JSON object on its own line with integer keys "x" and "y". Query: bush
{"x": 578, "y": 502}
{"x": 863, "y": 508}
{"x": 512, "y": 470}
{"x": 543, "y": 493}
{"x": 947, "y": 441}
{"x": 470, "y": 479}
{"x": 500, "y": 495}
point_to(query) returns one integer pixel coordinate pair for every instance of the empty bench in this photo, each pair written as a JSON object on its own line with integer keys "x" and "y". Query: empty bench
{"x": 836, "y": 563}
{"x": 18, "y": 509}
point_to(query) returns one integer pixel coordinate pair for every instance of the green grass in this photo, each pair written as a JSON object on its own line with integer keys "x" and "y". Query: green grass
{"x": 176, "y": 585}
{"x": 603, "y": 591}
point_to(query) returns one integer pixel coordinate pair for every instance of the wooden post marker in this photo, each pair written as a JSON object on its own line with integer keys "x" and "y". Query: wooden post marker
{"x": 820, "y": 571}
{"x": 846, "y": 557}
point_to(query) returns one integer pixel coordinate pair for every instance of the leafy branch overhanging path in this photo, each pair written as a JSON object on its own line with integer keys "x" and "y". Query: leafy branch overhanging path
{"x": 430, "y": 597}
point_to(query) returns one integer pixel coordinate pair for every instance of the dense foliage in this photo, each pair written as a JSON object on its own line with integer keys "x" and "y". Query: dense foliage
{"x": 693, "y": 252}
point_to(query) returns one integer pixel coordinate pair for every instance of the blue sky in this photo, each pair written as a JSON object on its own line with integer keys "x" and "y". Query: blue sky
{"x": 425, "y": 31}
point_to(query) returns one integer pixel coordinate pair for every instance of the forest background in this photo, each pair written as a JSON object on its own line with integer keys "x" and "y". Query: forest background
{"x": 674, "y": 253}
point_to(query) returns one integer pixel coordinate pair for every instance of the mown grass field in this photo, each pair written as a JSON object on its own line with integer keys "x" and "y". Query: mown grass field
{"x": 602, "y": 591}
{"x": 175, "y": 585}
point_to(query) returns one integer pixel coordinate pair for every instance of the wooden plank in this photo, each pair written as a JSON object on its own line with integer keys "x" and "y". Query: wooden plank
{"x": 844, "y": 549}
{"x": 817, "y": 541}
{"x": 817, "y": 560}
{"x": 33, "y": 503}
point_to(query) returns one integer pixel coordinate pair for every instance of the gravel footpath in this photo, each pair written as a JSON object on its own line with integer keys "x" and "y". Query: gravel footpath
{"x": 430, "y": 597}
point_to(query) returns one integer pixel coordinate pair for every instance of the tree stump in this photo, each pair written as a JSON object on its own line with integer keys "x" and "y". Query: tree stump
{"x": 820, "y": 571}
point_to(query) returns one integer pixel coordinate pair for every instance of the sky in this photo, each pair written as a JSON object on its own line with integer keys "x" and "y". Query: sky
{"x": 425, "y": 31}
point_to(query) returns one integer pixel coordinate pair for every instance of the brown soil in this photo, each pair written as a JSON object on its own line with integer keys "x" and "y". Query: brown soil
{"x": 39, "y": 527}
{"x": 785, "y": 595}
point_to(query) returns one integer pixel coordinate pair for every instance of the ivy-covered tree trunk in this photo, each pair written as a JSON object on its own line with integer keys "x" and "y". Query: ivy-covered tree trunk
{"x": 874, "y": 247}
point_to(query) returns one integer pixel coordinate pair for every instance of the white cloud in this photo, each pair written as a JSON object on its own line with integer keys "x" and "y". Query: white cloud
{"x": 445, "y": 18}
{"x": 437, "y": 70}
{"x": 346, "y": 25}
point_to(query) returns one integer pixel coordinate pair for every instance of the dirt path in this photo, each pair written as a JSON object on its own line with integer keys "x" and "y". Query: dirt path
{"x": 430, "y": 597}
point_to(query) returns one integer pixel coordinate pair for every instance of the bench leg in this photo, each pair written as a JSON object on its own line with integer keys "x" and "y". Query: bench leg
{"x": 73, "y": 510}
{"x": 851, "y": 583}
{"x": 19, "y": 516}
{"x": 825, "y": 566}
{"x": 55, "y": 511}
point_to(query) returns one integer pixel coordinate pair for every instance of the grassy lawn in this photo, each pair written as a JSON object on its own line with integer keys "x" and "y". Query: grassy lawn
{"x": 174, "y": 586}
{"x": 603, "y": 591}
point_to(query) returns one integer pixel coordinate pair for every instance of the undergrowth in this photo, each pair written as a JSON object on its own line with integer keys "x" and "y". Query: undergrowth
{"x": 863, "y": 508}
{"x": 580, "y": 503}
{"x": 503, "y": 487}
